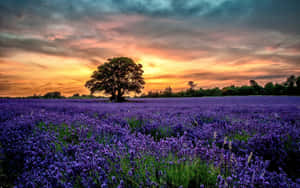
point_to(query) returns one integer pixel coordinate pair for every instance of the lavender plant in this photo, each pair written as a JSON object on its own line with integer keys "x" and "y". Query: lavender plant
{"x": 191, "y": 142}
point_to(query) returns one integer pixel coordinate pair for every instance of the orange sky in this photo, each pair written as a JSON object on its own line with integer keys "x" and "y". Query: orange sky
{"x": 49, "y": 47}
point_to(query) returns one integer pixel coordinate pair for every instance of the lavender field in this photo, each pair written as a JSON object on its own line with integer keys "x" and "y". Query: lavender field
{"x": 177, "y": 142}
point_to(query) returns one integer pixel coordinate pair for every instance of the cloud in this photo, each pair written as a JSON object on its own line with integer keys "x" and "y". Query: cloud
{"x": 12, "y": 42}
{"x": 266, "y": 14}
{"x": 6, "y": 81}
{"x": 264, "y": 74}
{"x": 169, "y": 35}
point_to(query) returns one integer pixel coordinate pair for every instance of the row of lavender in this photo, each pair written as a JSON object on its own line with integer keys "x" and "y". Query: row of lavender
{"x": 208, "y": 142}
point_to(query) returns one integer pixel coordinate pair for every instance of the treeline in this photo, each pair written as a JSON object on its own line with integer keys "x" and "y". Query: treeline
{"x": 290, "y": 87}
{"x": 58, "y": 95}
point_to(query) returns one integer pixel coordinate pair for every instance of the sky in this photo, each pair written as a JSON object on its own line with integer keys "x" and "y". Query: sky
{"x": 55, "y": 45}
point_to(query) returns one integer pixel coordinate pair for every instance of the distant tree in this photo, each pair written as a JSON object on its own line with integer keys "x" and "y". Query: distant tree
{"x": 35, "y": 96}
{"x": 279, "y": 89}
{"x": 153, "y": 94}
{"x": 253, "y": 83}
{"x": 298, "y": 82}
{"x": 192, "y": 85}
{"x": 88, "y": 96}
{"x": 200, "y": 92}
{"x": 257, "y": 89}
{"x": 290, "y": 87}
{"x": 231, "y": 90}
{"x": 54, "y": 94}
{"x": 269, "y": 88}
{"x": 213, "y": 92}
{"x": 291, "y": 81}
{"x": 245, "y": 90}
{"x": 116, "y": 77}
{"x": 298, "y": 85}
{"x": 76, "y": 95}
{"x": 168, "y": 92}
{"x": 190, "y": 92}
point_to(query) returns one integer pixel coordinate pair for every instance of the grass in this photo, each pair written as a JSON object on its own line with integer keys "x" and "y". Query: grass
{"x": 157, "y": 133}
{"x": 66, "y": 134}
{"x": 135, "y": 124}
{"x": 161, "y": 132}
{"x": 242, "y": 136}
{"x": 167, "y": 171}
{"x": 191, "y": 174}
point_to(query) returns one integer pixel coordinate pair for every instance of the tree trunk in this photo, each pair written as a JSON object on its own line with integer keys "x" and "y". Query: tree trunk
{"x": 120, "y": 97}
{"x": 117, "y": 96}
{"x": 113, "y": 96}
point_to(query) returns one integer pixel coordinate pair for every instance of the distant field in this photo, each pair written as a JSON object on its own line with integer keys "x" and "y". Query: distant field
{"x": 166, "y": 142}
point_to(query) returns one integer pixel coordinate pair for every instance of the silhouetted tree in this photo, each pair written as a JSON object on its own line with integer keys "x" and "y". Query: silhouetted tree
{"x": 116, "y": 77}
{"x": 257, "y": 89}
{"x": 291, "y": 81}
{"x": 279, "y": 89}
{"x": 192, "y": 85}
{"x": 213, "y": 92}
{"x": 245, "y": 90}
{"x": 269, "y": 88}
{"x": 253, "y": 83}
{"x": 152, "y": 94}
{"x": 54, "y": 94}
{"x": 168, "y": 92}
{"x": 231, "y": 90}
{"x": 291, "y": 85}
{"x": 298, "y": 82}
{"x": 191, "y": 90}
{"x": 298, "y": 85}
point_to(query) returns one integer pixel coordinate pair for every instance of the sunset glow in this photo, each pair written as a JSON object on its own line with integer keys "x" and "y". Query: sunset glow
{"x": 55, "y": 45}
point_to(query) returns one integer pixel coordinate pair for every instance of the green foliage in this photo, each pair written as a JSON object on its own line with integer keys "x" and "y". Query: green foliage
{"x": 169, "y": 171}
{"x": 191, "y": 174}
{"x": 65, "y": 134}
{"x": 269, "y": 88}
{"x": 135, "y": 124}
{"x": 241, "y": 136}
{"x": 166, "y": 172}
{"x": 104, "y": 138}
{"x": 160, "y": 132}
{"x": 143, "y": 169}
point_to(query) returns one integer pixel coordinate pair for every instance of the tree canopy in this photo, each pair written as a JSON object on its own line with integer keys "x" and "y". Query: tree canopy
{"x": 116, "y": 77}
{"x": 54, "y": 94}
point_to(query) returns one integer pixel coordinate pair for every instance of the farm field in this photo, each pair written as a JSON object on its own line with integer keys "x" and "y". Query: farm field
{"x": 168, "y": 142}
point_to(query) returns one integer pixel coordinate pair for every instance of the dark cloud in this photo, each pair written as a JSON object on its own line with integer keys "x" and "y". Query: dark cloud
{"x": 13, "y": 44}
{"x": 228, "y": 32}
{"x": 294, "y": 47}
{"x": 191, "y": 26}
{"x": 267, "y": 73}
